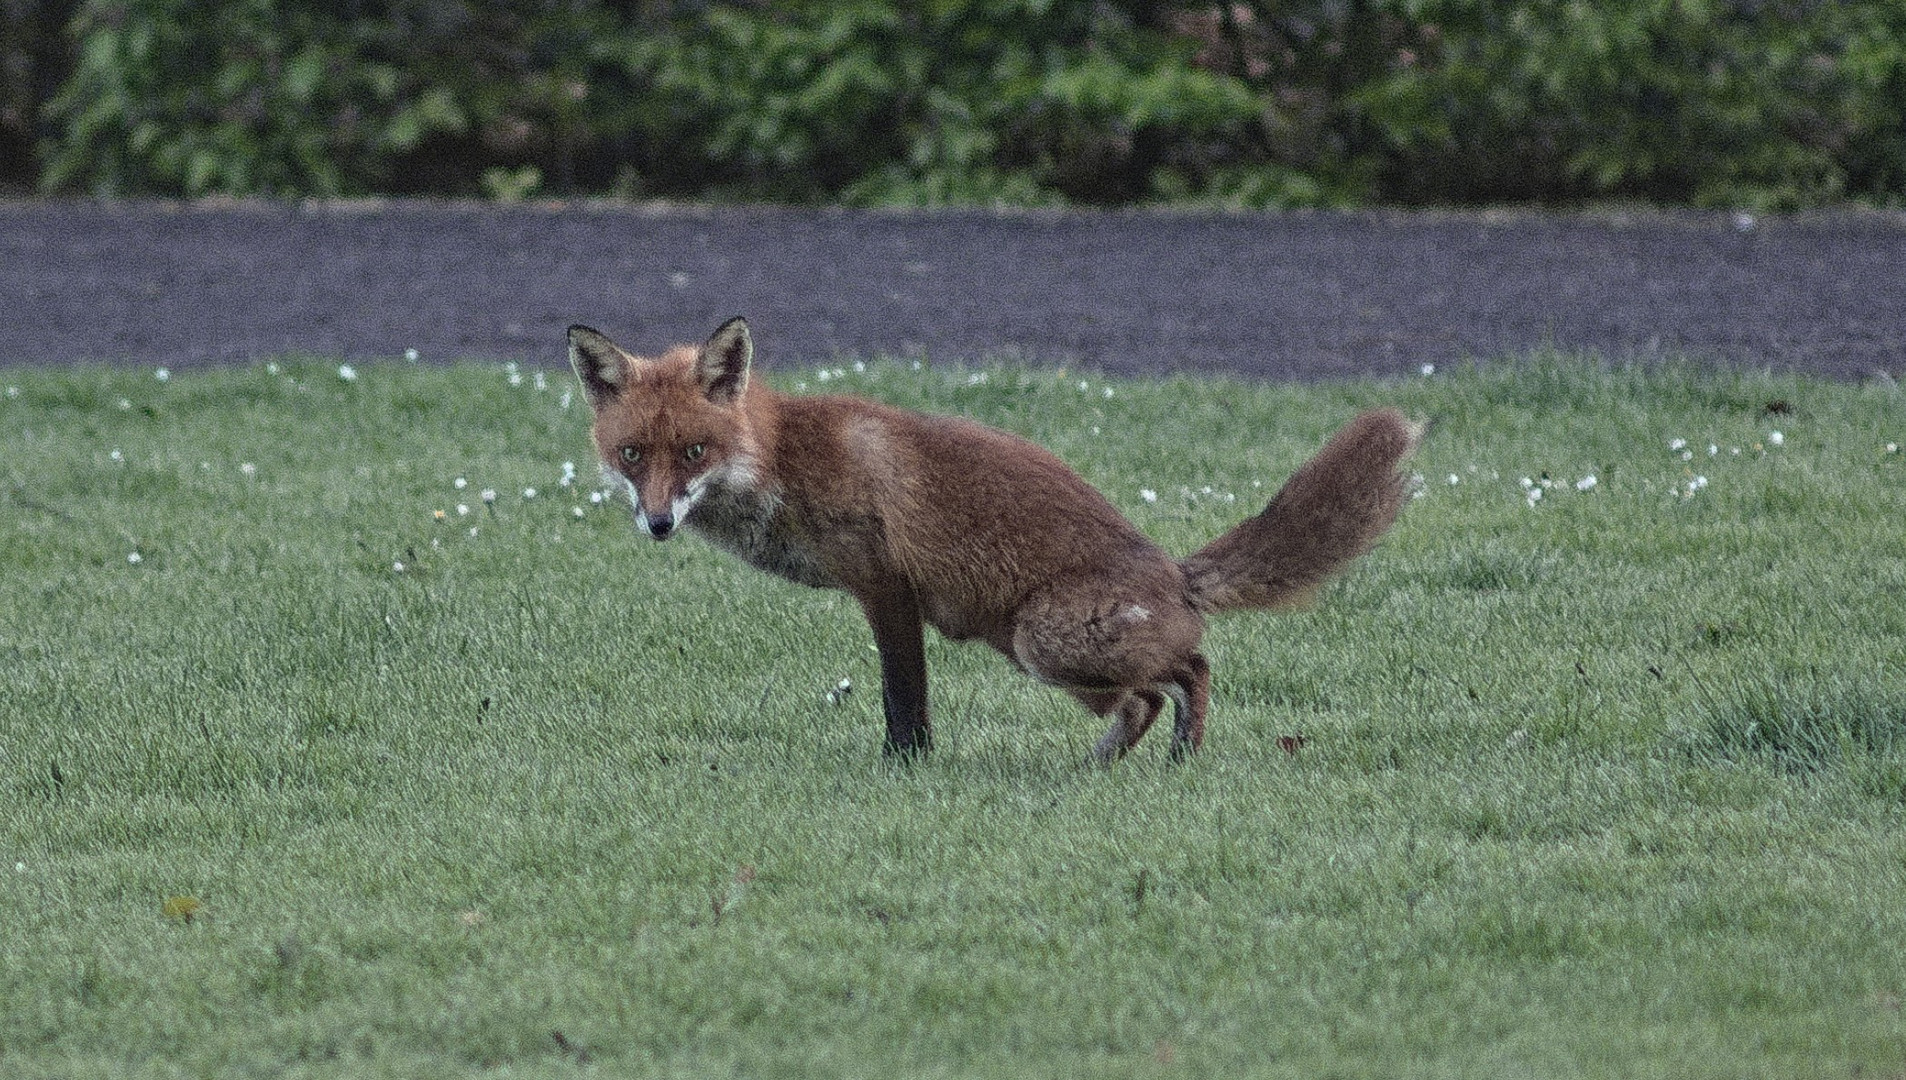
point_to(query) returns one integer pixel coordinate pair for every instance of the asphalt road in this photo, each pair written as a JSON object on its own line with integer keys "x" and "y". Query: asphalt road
{"x": 1297, "y": 296}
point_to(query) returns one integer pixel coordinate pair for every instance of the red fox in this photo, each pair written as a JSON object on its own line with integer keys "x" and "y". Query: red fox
{"x": 929, "y": 520}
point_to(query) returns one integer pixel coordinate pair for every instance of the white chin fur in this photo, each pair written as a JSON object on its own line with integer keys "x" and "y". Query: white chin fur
{"x": 738, "y": 472}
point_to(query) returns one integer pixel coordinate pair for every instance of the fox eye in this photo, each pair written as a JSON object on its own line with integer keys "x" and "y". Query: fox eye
{"x": 630, "y": 454}
{"x": 694, "y": 452}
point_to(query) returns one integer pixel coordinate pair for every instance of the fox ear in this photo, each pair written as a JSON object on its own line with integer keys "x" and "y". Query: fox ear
{"x": 598, "y": 363}
{"x": 722, "y": 366}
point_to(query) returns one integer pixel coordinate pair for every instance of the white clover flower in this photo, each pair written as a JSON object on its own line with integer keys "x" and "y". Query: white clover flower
{"x": 488, "y": 495}
{"x": 1428, "y": 370}
{"x": 135, "y": 558}
{"x": 163, "y": 375}
{"x": 347, "y": 373}
{"x": 1526, "y": 483}
{"x": 397, "y": 567}
{"x": 1586, "y": 483}
{"x": 1775, "y": 438}
{"x": 1108, "y": 392}
{"x": 860, "y": 367}
{"x": 541, "y": 382}
{"x": 460, "y": 483}
{"x": 14, "y": 392}
{"x": 271, "y": 367}
{"x": 1454, "y": 479}
{"x": 116, "y": 455}
{"x": 1148, "y": 495}
{"x": 125, "y": 405}
{"x": 1892, "y": 448}
{"x": 529, "y": 493}
{"x": 1535, "y": 496}
{"x": 463, "y": 510}
{"x": 1677, "y": 444}
{"x": 411, "y": 355}
{"x": 248, "y": 468}
{"x": 576, "y": 511}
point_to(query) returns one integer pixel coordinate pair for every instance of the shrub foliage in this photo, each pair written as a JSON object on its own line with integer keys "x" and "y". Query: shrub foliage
{"x": 1758, "y": 103}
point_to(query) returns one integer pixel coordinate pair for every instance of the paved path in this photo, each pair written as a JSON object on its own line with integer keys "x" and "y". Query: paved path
{"x": 1304, "y": 295}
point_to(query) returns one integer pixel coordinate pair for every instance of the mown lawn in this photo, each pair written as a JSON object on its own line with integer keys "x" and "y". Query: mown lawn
{"x": 317, "y": 760}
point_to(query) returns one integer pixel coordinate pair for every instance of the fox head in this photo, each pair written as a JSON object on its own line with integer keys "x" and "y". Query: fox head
{"x": 670, "y": 427}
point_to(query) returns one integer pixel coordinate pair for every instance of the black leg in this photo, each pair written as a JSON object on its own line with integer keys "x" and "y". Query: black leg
{"x": 899, "y": 634}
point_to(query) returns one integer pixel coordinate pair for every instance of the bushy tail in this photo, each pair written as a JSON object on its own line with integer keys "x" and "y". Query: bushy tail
{"x": 1332, "y": 510}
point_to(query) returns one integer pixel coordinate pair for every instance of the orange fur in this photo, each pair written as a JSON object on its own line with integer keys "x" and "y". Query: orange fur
{"x": 942, "y": 522}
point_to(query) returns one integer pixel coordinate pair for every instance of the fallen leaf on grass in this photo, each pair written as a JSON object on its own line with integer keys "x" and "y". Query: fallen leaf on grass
{"x": 181, "y": 909}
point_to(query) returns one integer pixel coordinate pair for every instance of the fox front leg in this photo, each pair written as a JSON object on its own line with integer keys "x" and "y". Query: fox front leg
{"x": 899, "y": 634}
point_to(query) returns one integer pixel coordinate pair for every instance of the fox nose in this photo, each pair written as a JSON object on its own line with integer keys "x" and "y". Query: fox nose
{"x": 660, "y": 526}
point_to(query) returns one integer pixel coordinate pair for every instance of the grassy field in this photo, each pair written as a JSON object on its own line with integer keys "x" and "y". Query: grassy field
{"x": 344, "y": 733}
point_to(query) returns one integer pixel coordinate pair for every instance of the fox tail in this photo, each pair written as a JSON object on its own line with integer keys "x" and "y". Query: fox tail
{"x": 1332, "y": 510}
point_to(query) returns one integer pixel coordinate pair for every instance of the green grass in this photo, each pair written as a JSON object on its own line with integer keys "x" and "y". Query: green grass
{"x": 1608, "y": 783}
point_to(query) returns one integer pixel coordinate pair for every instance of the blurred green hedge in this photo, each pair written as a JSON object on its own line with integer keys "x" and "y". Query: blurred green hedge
{"x": 1747, "y": 103}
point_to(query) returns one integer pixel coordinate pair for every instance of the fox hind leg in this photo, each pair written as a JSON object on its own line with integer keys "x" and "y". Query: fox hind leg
{"x": 1121, "y": 655}
{"x": 1132, "y": 713}
{"x": 1190, "y": 693}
